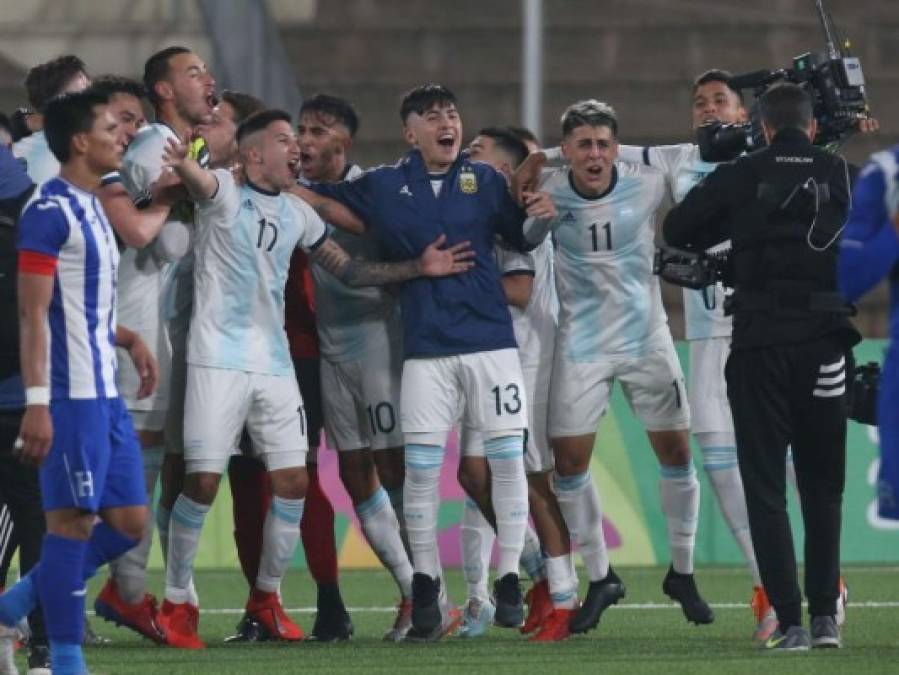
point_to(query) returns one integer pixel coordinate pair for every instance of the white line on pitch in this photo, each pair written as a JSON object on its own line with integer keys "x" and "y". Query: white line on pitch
{"x": 630, "y": 606}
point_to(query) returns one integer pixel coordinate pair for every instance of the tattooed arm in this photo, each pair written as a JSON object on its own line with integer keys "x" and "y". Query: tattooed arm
{"x": 433, "y": 262}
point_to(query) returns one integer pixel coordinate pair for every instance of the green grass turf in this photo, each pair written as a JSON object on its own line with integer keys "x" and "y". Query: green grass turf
{"x": 641, "y": 640}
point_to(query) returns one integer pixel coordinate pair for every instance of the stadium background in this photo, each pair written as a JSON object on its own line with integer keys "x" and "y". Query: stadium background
{"x": 640, "y": 55}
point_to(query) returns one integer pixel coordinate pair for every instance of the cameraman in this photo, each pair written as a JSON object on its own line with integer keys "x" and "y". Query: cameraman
{"x": 870, "y": 252}
{"x": 783, "y": 208}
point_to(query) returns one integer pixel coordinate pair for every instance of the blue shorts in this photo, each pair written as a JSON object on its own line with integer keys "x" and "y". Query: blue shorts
{"x": 888, "y": 427}
{"x": 95, "y": 461}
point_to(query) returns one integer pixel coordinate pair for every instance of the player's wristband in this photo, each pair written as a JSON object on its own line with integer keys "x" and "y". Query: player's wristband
{"x": 37, "y": 396}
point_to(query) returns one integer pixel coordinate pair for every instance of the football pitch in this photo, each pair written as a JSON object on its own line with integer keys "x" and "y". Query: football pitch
{"x": 646, "y": 634}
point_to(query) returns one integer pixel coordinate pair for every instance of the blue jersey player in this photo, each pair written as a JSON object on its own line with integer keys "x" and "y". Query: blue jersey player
{"x": 75, "y": 426}
{"x": 870, "y": 252}
{"x": 461, "y": 359}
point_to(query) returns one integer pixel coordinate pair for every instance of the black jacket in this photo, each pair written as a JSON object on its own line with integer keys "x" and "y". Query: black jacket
{"x": 784, "y": 257}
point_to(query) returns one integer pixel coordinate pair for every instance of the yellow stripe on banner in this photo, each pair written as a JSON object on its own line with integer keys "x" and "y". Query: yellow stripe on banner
{"x": 355, "y": 551}
{"x": 620, "y": 498}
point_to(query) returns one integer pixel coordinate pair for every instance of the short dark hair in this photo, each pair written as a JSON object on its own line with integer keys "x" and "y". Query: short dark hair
{"x": 592, "y": 113}
{"x": 260, "y": 120}
{"x": 525, "y": 134}
{"x": 156, "y": 69}
{"x": 18, "y": 124}
{"x": 244, "y": 105}
{"x": 115, "y": 84}
{"x": 508, "y": 142}
{"x": 68, "y": 115}
{"x": 786, "y": 105}
{"x": 340, "y": 109}
{"x": 716, "y": 75}
{"x": 47, "y": 80}
{"x": 423, "y": 98}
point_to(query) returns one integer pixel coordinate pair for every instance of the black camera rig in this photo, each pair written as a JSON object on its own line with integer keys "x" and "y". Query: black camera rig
{"x": 834, "y": 80}
{"x": 697, "y": 270}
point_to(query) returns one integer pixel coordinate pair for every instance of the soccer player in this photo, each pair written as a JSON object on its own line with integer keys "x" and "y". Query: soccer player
{"x": 155, "y": 296}
{"x": 612, "y": 326}
{"x": 459, "y": 348}
{"x": 43, "y": 83}
{"x": 76, "y": 427}
{"x": 868, "y": 254}
{"x": 240, "y": 371}
{"x": 360, "y": 338}
{"x": 529, "y": 288}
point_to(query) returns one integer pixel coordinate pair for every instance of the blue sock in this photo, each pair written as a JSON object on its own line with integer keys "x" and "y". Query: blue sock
{"x": 104, "y": 545}
{"x": 66, "y": 659}
{"x": 20, "y": 599}
{"x": 62, "y": 591}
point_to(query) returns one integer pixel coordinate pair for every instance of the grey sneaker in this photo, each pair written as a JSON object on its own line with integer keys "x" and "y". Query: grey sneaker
{"x": 825, "y": 632}
{"x": 796, "y": 639}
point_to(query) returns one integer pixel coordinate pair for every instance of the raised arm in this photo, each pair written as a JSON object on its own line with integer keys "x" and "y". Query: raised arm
{"x": 330, "y": 210}
{"x": 433, "y": 262}
{"x": 138, "y": 227}
{"x": 200, "y": 183}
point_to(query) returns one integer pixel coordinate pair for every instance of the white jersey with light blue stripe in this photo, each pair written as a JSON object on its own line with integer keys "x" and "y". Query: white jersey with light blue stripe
{"x": 684, "y": 168}
{"x": 353, "y": 322}
{"x": 67, "y": 223}
{"x": 245, "y": 238}
{"x": 40, "y": 162}
{"x": 609, "y": 300}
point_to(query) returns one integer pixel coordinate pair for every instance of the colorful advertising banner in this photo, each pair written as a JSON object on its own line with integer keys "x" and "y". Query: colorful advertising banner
{"x": 627, "y": 475}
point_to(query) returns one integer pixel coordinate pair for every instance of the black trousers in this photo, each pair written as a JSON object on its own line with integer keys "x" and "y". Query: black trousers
{"x": 793, "y": 395}
{"x": 20, "y": 493}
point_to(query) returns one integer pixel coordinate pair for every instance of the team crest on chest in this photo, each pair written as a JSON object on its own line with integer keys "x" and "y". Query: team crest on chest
{"x": 468, "y": 182}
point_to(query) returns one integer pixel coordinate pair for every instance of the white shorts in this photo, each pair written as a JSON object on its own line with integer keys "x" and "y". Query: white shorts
{"x": 538, "y": 456}
{"x": 220, "y": 402}
{"x": 485, "y": 390}
{"x": 361, "y": 402}
{"x": 707, "y": 388}
{"x": 148, "y": 420}
{"x": 652, "y": 383}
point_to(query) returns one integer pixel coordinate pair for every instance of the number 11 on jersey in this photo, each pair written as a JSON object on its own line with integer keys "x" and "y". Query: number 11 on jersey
{"x": 594, "y": 234}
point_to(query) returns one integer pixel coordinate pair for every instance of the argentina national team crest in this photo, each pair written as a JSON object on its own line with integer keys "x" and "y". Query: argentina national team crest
{"x": 468, "y": 182}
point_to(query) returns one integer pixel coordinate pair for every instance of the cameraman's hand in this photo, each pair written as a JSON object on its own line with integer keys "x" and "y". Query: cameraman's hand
{"x": 895, "y": 220}
{"x": 868, "y": 125}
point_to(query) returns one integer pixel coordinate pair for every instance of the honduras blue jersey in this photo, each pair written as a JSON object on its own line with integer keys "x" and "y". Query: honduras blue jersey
{"x": 683, "y": 169}
{"x": 245, "y": 238}
{"x": 353, "y": 322}
{"x": 610, "y": 303}
{"x": 869, "y": 251}
{"x": 69, "y": 224}
{"x": 442, "y": 316}
{"x": 40, "y": 163}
